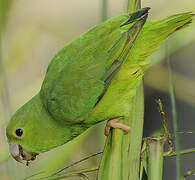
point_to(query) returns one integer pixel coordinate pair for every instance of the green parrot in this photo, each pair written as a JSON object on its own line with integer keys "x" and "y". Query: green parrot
{"x": 88, "y": 81}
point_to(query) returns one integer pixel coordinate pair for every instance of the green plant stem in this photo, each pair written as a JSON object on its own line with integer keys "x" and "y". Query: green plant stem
{"x": 104, "y": 10}
{"x": 121, "y": 157}
{"x": 190, "y": 173}
{"x": 131, "y": 146}
{"x": 155, "y": 149}
{"x": 174, "y": 116}
{"x": 132, "y": 142}
{"x": 79, "y": 173}
{"x": 4, "y": 91}
{"x": 111, "y": 162}
{"x": 77, "y": 162}
{"x": 133, "y": 5}
{"x": 181, "y": 152}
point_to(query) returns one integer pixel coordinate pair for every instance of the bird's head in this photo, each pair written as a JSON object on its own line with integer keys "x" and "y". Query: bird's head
{"x": 32, "y": 131}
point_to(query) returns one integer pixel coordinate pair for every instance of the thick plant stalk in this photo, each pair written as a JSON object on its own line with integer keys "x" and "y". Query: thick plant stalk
{"x": 111, "y": 162}
{"x": 131, "y": 145}
{"x": 154, "y": 151}
{"x": 121, "y": 157}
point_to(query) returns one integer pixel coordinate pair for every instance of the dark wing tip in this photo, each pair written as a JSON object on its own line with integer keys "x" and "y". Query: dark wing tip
{"x": 137, "y": 15}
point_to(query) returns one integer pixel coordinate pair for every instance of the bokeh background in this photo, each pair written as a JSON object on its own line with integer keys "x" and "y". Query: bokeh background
{"x": 36, "y": 30}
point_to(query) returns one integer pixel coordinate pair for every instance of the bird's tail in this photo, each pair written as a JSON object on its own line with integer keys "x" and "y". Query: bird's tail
{"x": 153, "y": 35}
{"x": 142, "y": 40}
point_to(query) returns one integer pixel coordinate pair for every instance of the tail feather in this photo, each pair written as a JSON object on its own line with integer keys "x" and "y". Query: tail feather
{"x": 153, "y": 35}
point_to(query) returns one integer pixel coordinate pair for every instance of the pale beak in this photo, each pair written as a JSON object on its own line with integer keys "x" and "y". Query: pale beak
{"x": 15, "y": 152}
{"x": 19, "y": 154}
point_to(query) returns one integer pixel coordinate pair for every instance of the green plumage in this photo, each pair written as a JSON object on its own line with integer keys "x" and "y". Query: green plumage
{"x": 89, "y": 80}
{"x": 72, "y": 93}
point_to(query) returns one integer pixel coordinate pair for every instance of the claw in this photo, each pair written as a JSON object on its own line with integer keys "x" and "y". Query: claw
{"x": 113, "y": 123}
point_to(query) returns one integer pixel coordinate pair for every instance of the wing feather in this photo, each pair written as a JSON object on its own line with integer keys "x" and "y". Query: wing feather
{"x": 73, "y": 87}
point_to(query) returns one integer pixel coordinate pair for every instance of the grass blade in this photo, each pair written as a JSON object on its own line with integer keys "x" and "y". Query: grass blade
{"x": 174, "y": 116}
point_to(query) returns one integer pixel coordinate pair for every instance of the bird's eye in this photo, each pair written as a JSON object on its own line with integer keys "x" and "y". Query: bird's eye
{"x": 19, "y": 132}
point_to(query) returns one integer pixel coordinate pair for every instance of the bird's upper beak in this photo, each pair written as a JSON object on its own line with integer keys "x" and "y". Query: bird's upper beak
{"x": 19, "y": 154}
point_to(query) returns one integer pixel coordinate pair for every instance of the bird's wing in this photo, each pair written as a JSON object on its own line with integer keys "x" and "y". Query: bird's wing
{"x": 79, "y": 75}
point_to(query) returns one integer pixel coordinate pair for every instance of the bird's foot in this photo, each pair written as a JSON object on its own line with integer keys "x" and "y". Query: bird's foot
{"x": 113, "y": 123}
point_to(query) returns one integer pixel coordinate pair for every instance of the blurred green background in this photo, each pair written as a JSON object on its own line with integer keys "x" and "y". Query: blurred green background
{"x": 36, "y": 30}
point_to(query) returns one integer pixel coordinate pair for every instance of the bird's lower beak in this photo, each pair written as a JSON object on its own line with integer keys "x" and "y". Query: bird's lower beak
{"x": 19, "y": 154}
